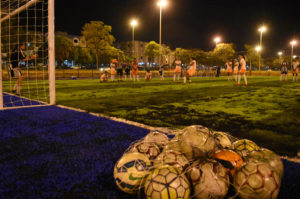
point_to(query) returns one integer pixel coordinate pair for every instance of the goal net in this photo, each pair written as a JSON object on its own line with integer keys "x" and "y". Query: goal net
{"x": 27, "y": 53}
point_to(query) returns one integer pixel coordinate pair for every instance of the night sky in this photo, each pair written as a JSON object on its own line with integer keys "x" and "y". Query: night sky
{"x": 189, "y": 23}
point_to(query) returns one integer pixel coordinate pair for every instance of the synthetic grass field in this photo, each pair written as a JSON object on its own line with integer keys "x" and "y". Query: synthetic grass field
{"x": 266, "y": 111}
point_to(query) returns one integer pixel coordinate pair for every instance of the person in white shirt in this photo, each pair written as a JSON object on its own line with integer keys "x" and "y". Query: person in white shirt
{"x": 295, "y": 70}
{"x": 243, "y": 70}
{"x": 177, "y": 73}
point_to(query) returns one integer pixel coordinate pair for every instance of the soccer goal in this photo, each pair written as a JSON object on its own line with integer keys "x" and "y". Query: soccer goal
{"x": 27, "y": 53}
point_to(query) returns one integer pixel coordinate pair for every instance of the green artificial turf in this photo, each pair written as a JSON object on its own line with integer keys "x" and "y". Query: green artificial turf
{"x": 266, "y": 111}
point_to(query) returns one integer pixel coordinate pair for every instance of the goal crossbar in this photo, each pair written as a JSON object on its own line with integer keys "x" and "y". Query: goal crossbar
{"x": 18, "y": 10}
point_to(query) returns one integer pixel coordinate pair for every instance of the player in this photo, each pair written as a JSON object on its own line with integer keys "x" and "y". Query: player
{"x": 190, "y": 71}
{"x": 236, "y": 70}
{"x": 295, "y": 70}
{"x": 229, "y": 69}
{"x": 177, "y": 73}
{"x": 148, "y": 76}
{"x": 104, "y": 77}
{"x": 243, "y": 70}
{"x": 161, "y": 71}
{"x": 284, "y": 69}
{"x": 119, "y": 66}
{"x": 15, "y": 71}
{"x": 113, "y": 71}
{"x": 127, "y": 71}
{"x": 135, "y": 70}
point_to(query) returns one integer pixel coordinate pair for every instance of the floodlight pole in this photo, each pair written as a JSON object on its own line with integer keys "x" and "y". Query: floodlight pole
{"x": 160, "y": 27}
{"x": 1, "y": 89}
{"x": 260, "y": 45}
{"x": 51, "y": 51}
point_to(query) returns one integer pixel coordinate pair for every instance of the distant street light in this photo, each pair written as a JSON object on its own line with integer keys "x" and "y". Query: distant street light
{"x": 295, "y": 56}
{"x": 133, "y": 23}
{"x": 258, "y": 49}
{"x": 293, "y": 43}
{"x": 161, "y": 4}
{"x": 217, "y": 40}
{"x": 280, "y": 53}
{"x": 261, "y": 30}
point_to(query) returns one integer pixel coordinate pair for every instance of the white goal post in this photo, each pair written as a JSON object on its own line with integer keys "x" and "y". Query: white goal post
{"x": 17, "y": 8}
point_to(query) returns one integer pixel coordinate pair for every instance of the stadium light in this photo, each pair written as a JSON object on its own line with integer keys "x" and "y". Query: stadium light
{"x": 258, "y": 49}
{"x": 133, "y": 23}
{"x": 161, "y": 4}
{"x": 261, "y": 30}
{"x": 293, "y": 43}
{"x": 217, "y": 40}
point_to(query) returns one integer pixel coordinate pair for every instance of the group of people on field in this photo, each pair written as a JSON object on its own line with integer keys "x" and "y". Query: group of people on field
{"x": 117, "y": 67}
{"x": 285, "y": 70}
{"x": 237, "y": 68}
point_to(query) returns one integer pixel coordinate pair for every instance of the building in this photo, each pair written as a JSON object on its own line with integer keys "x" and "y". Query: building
{"x": 138, "y": 50}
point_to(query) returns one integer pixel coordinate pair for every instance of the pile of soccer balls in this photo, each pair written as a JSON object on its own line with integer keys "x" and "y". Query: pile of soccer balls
{"x": 198, "y": 163}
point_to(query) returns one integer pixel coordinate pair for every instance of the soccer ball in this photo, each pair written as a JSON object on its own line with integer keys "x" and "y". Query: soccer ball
{"x": 223, "y": 139}
{"x": 157, "y": 138}
{"x": 149, "y": 149}
{"x": 267, "y": 156}
{"x": 167, "y": 183}
{"x": 197, "y": 142}
{"x": 257, "y": 180}
{"x": 244, "y": 147}
{"x": 130, "y": 171}
{"x": 209, "y": 178}
{"x": 229, "y": 159}
{"x": 172, "y": 158}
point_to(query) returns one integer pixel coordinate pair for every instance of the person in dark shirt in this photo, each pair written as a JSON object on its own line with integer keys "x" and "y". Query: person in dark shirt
{"x": 15, "y": 71}
{"x": 284, "y": 69}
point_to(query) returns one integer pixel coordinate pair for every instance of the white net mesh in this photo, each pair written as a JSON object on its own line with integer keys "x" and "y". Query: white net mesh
{"x": 24, "y": 44}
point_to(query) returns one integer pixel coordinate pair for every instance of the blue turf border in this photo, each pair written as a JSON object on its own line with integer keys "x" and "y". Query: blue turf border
{"x": 52, "y": 152}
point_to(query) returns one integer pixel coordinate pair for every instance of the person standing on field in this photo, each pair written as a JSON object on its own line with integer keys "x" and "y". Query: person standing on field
{"x": 177, "y": 69}
{"x": 295, "y": 70}
{"x": 284, "y": 69}
{"x": 229, "y": 69}
{"x": 15, "y": 70}
{"x": 243, "y": 70}
{"x": 135, "y": 70}
{"x": 161, "y": 71}
{"x": 127, "y": 71}
{"x": 113, "y": 71}
{"x": 119, "y": 69}
{"x": 191, "y": 70}
{"x": 236, "y": 70}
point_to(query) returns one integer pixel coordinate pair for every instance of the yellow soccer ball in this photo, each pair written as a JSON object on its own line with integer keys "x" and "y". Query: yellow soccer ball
{"x": 130, "y": 171}
{"x": 167, "y": 183}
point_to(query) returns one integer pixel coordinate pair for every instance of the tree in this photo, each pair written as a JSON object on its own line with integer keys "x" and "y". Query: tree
{"x": 152, "y": 49}
{"x": 82, "y": 56}
{"x": 98, "y": 38}
{"x": 63, "y": 48}
{"x": 222, "y": 52}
